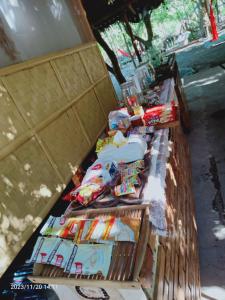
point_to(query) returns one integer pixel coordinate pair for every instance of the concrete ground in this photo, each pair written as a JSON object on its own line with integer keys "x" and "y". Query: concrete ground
{"x": 205, "y": 93}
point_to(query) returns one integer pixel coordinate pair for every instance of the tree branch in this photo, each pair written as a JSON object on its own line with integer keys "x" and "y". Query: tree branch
{"x": 116, "y": 68}
{"x": 110, "y": 69}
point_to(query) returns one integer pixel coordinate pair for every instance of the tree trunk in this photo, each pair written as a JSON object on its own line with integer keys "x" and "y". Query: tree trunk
{"x": 126, "y": 43}
{"x": 116, "y": 68}
{"x": 148, "y": 25}
{"x": 110, "y": 69}
{"x": 130, "y": 33}
{"x": 203, "y": 6}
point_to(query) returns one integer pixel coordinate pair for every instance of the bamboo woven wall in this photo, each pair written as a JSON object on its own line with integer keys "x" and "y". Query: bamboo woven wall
{"x": 52, "y": 110}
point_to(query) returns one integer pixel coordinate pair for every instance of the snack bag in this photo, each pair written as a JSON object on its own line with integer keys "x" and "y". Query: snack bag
{"x": 98, "y": 229}
{"x": 53, "y": 226}
{"x": 94, "y": 183}
{"x": 70, "y": 229}
{"x": 133, "y": 180}
{"x": 111, "y": 228}
{"x": 160, "y": 114}
{"x": 152, "y": 116}
{"x": 43, "y": 248}
{"x": 88, "y": 192}
{"x": 128, "y": 172}
{"x": 61, "y": 227}
{"x": 61, "y": 254}
{"x": 124, "y": 189}
{"x": 90, "y": 260}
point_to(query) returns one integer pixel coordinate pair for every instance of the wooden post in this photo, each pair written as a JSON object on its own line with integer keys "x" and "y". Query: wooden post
{"x": 81, "y": 21}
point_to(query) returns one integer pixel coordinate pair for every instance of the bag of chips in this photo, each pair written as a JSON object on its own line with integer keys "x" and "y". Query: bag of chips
{"x": 124, "y": 189}
{"x": 94, "y": 183}
{"x": 43, "y": 249}
{"x": 90, "y": 260}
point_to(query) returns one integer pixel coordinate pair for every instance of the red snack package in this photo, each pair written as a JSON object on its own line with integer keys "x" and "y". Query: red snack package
{"x": 85, "y": 194}
{"x": 152, "y": 116}
{"x": 160, "y": 114}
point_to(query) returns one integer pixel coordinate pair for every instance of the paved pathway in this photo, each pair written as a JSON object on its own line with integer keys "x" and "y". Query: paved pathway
{"x": 205, "y": 92}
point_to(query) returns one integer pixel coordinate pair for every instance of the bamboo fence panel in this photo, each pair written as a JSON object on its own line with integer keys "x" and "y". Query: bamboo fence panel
{"x": 93, "y": 63}
{"x": 105, "y": 99}
{"x": 36, "y": 92}
{"x": 52, "y": 111}
{"x": 60, "y": 139}
{"x": 72, "y": 74}
{"x": 91, "y": 115}
{"x": 11, "y": 122}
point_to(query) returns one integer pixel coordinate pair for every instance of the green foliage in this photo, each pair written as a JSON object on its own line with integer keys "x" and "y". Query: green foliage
{"x": 170, "y": 19}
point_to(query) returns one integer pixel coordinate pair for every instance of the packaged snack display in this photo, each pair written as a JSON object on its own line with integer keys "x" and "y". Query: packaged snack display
{"x": 111, "y": 228}
{"x": 53, "y": 226}
{"x": 98, "y": 229}
{"x": 84, "y": 259}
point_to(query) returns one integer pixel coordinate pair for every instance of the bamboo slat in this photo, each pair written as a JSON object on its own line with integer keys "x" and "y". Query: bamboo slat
{"x": 177, "y": 273}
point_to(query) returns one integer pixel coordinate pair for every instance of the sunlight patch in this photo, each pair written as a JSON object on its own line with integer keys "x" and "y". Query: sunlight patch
{"x": 43, "y": 191}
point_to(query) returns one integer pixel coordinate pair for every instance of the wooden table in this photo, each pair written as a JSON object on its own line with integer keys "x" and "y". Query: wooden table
{"x": 171, "y": 265}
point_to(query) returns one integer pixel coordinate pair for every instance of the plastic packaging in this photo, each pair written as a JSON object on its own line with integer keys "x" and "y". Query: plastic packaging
{"x": 160, "y": 114}
{"x": 124, "y": 189}
{"x": 119, "y": 119}
{"x": 90, "y": 260}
